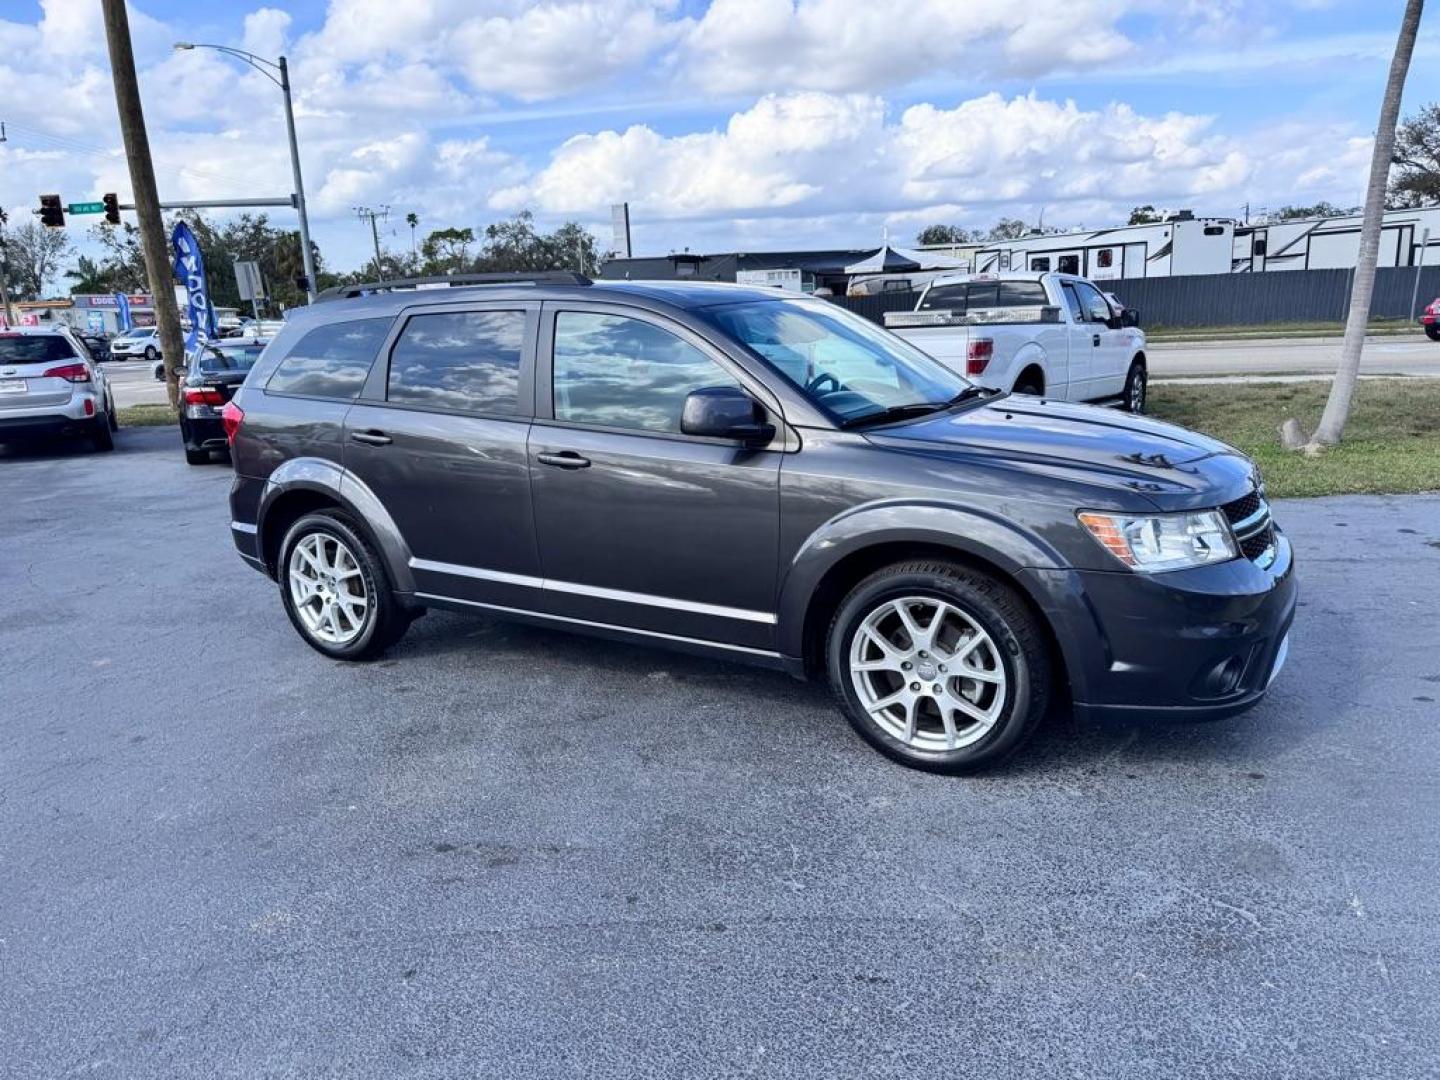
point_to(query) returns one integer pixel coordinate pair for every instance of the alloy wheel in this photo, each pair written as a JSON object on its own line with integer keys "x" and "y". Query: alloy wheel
{"x": 927, "y": 673}
{"x": 328, "y": 588}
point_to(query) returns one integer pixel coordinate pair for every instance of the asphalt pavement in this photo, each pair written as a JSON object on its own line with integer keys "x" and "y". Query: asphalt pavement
{"x": 507, "y": 852}
{"x": 1414, "y": 355}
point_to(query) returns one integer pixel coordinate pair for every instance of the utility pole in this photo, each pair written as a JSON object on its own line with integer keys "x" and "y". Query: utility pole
{"x": 364, "y": 213}
{"x": 147, "y": 199}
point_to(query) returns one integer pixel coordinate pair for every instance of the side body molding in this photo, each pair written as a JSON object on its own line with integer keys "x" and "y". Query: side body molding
{"x": 330, "y": 479}
{"x": 966, "y": 531}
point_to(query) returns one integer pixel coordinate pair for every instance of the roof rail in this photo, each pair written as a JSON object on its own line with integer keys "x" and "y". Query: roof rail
{"x": 539, "y": 277}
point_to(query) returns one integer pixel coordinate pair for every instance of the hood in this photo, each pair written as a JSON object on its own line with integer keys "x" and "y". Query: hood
{"x": 1085, "y": 443}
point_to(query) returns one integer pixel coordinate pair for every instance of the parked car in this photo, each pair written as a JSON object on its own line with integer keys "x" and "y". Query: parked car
{"x": 50, "y": 386}
{"x": 142, "y": 341}
{"x": 1430, "y": 320}
{"x": 213, "y": 371}
{"x": 751, "y": 474}
{"x": 1055, "y": 335}
{"x": 97, "y": 343}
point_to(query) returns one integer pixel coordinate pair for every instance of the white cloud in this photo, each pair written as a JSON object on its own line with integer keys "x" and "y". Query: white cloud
{"x": 839, "y": 153}
{"x": 841, "y": 45}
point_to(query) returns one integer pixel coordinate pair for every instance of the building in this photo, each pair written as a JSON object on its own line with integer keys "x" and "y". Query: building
{"x": 799, "y": 271}
{"x": 98, "y": 312}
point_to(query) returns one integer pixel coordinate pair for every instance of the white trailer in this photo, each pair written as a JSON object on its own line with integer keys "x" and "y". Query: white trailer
{"x": 1183, "y": 245}
{"x": 1333, "y": 243}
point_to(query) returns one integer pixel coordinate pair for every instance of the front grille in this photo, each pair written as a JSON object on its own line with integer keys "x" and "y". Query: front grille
{"x": 1249, "y": 517}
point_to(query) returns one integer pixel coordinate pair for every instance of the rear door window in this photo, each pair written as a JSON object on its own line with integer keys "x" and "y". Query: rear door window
{"x": 463, "y": 361}
{"x": 330, "y": 361}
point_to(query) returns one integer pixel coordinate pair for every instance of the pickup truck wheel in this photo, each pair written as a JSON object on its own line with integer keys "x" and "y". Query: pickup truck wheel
{"x": 335, "y": 590}
{"x": 1029, "y": 384}
{"x": 938, "y": 666}
{"x": 1135, "y": 387}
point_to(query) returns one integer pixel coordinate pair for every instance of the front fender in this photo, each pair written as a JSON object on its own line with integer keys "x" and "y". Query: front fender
{"x": 977, "y": 534}
{"x": 331, "y": 480}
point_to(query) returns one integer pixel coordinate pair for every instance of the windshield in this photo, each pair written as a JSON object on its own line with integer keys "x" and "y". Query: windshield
{"x": 232, "y": 358}
{"x": 34, "y": 349}
{"x": 849, "y": 367}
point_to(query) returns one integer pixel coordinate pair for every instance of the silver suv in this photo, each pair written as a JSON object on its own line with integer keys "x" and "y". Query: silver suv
{"x": 49, "y": 386}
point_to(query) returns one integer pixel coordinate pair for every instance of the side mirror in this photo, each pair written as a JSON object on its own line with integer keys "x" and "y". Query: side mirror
{"x": 725, "y": 412}
{"x": 1130, "y": 317}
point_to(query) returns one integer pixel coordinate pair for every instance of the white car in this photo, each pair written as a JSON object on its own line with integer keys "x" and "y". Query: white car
{"x": 50, "y": 386}
{"x": 1030, "y": 333}
{"x": 142, "y": 341}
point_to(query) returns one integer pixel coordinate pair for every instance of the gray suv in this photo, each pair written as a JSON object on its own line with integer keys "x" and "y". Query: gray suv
{"x": 750, "y": 474}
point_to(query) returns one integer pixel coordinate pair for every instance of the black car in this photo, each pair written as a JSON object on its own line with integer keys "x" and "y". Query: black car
{"x": 213, "y": 371}
{"x": 745, "y": 473}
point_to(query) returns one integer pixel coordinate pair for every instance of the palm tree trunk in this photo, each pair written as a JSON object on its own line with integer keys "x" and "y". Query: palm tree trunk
{"x": 1342, "y": 390}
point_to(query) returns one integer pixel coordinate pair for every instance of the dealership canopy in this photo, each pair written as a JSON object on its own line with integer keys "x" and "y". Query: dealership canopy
{"x": 896, "y": 260}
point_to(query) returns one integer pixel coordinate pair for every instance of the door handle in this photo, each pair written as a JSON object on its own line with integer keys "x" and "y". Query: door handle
{"x": 566, "y": 459}
{"x": 372, "y": 437}
{"x": 1096, "y": 340}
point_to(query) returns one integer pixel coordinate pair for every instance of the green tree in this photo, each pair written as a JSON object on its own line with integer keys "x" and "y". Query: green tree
{"x": 1008, "y": 229}
{"x": 447, "y": 251}
{"x": 33, "y": 253}
{"x": 946, "y": 234}
{"x": 1145, "y": 215}
{"x": 1319, "y": 210}
{"x": 1417, "y": 153}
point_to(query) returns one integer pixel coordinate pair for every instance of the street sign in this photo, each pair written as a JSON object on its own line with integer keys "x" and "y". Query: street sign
{"x": 85, "y": 208}
{"x": 247, "y": 277}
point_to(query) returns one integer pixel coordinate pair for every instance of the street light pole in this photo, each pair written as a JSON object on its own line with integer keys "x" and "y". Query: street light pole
{"x": 260, "y": 64}
{"x": 305, "y": 253}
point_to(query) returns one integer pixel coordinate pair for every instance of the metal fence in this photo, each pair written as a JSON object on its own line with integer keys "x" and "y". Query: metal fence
{"x": 1233, "y": 299}
{"x": 1273, "y": 297}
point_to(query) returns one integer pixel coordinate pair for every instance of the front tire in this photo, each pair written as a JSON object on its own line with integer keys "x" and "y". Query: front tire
{"x": 1136, "y": 387}
{"x": 938, "y": 666}
{"x": 335, "y": 590}
{"x": 151, "y": 354}
{"x": 1433, "y": 333}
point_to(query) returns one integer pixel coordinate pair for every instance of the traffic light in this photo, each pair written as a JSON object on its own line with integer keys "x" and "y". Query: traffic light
{"x": 52, "y": 213}
{"x": 112, "y": 208}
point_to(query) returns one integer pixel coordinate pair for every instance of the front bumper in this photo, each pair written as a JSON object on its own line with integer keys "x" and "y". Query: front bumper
{"x": 1196, "y": 644}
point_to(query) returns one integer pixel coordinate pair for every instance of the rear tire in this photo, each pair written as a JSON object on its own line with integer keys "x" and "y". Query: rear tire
{"x": 101, "y": 437}
{"x": 965, "y": 621}
{"x": 1029, "y": 384}
{"x": 1136, "y": 387}
{"x": 349, "y": 570}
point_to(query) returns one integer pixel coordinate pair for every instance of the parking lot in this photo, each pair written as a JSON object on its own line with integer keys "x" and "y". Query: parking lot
{"x": 511, "y": 852}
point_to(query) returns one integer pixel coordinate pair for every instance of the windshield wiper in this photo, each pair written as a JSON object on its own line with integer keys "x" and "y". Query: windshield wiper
{"x": 974, "y": 390}
{"x": 895, "y": 412}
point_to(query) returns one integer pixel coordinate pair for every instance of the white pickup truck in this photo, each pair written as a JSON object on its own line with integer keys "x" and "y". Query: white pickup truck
{"x": 1051, "y": 334}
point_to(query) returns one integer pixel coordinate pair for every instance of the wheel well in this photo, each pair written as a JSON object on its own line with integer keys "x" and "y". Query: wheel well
{"x": 854, "y": 568}
{"x": 1140, "y": 359}
{"x": 1033, "y": 370}
{"x": 286, "y": 510}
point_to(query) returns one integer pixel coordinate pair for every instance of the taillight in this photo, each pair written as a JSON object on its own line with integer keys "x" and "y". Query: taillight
{"x": 69, "y": 372}
{"x": 203, "y": 395}
{"x": 978, "y": 354}
{"x": 231, "y": 417}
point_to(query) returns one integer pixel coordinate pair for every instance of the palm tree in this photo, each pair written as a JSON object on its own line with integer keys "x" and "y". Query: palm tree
{"x": 1342, "y": 390}
{"x": 412, "y": 219}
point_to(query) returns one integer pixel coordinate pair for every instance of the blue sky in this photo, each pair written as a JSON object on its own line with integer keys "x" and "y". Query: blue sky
{"x": 727, "y": 124}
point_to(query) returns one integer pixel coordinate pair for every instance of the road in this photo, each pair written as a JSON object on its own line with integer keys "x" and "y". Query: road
{"x": 133, "y": 383}
{"x": 1409, "y": 355}
{"x": 517, "y": 853}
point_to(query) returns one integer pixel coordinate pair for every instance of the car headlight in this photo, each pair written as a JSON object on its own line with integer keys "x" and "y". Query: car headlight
{"x": 1150, "y": 543}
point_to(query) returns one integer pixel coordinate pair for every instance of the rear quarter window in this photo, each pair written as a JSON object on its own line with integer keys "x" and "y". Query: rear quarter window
{"x": 330, "y": 361}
